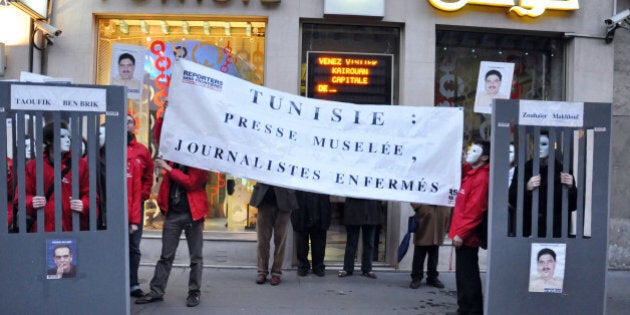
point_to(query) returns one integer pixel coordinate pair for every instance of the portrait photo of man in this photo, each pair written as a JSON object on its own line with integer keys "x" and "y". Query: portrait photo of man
{"x": 127, "y": 68}
{"x": 494, "y": 82}
{"x": 62, "y": 255}
{"x": 546, "y": 278}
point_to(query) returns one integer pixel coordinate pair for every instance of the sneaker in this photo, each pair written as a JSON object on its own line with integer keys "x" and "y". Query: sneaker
{"x": 149, "y": 299}
{"x": 415, "y": 283}
{"x": 193, "y": 299}
{"x": 275, "y": 280}
{"x": 261, "y": 278}
{"x": 138, "y": 293}
{"x": 435, "y": 283}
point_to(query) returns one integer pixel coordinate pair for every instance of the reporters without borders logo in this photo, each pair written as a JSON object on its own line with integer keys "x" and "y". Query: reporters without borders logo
{"x": 202, "y": 80}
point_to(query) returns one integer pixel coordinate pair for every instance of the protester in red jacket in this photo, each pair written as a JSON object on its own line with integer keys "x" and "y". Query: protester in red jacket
{"x": 470, "y": 206}
{"x": 34, "y": 201}
{"x": 10, "y": 190}
{"x": 140, "y": 154}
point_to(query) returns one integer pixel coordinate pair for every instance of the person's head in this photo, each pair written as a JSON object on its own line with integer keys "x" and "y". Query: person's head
{"x": 543, "y": 145}
{"x": 512, "y": 153}
{"x": 493, "y": 82}
{"x": 131, "y": 123}
{"x": 62, "y": 254}
{"x": 478, "y": 153}
{"x": 101, "y": 135}
{"x": 546, "y": 263}
{"x": 126, "y": 66}
{"x": 64, "y": 133}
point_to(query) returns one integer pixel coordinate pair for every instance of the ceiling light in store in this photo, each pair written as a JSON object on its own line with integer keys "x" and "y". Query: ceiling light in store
{"x": 248, "y": 29}
{"x": 165, "y": 27}
{"x": 185, "y": 28}
{"x": 144, "y": 26}
{"x": 228, "y": 29}
{"x": 124, "y": 27}
{"x": 206, "y": 28}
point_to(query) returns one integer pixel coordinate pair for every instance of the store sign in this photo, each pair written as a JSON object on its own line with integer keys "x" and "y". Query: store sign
{"x": 531, "y": 8}
{"x": 224, "y": 124}
{"x": 355, "y": 7}
{"x": 350, "y": 77}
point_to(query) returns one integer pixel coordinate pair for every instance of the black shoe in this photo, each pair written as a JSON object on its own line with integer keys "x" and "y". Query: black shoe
{"x": 415, "y": 283}
{"x": 138, "y": 293}
{"x": 435, "y": 283}
{"x": 319, "y": 272}
{"x": 302, "y": 272}
{"x": 149, "y": 299}
{"x": 193, "y": 299}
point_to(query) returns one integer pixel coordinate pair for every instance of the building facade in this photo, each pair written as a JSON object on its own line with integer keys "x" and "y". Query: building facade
{"x": 435, "y": 48}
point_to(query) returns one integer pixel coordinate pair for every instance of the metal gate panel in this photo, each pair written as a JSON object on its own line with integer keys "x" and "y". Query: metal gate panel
{"x": 583, "y": 235}
{"x": 101, "y": 282}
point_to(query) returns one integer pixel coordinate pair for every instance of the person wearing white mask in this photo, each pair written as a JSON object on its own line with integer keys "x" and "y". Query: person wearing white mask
{"x": 539, "y": 182}
{"x": 47, "y": 202}
{"x": 471, "y": 205}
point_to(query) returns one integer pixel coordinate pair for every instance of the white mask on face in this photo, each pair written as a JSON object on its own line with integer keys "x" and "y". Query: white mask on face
{"x": 544, "y": 146}
{"x": 511, "y": 153}
{"x": 101, "y": 136}
{"x": 27, "y": 148}
{"x": 473, "y": 154}
{"x": 65, "y": 140}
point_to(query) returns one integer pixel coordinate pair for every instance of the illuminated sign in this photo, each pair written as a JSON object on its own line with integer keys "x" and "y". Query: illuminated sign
{"x": 350, "y": 77}
{"x": 532, "y": 8}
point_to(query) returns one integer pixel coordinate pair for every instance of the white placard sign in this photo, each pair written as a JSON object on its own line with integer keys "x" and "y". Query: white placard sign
{"x": 58, "y": 98}
{"x": 356, "y": 7}
{"x": 222, "y": 123}
{"x": 545, "y": 113}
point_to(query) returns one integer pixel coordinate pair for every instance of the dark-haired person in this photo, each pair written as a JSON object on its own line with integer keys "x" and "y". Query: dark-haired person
{"x": 62, "y": 255}
{"x": 545, "y": 280}
{"x": 126, "y": 69}
{"x": 47, "y": 202}
{"x": 470, "y": 207}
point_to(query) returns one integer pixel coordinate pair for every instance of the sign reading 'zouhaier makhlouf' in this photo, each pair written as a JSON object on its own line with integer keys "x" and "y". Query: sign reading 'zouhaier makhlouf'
{"x": 545, "y": 113}
{"x": 221, "y": 123}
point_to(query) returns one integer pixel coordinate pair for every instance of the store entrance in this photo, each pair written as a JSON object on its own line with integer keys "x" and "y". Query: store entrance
{"x": 377, "y": 84}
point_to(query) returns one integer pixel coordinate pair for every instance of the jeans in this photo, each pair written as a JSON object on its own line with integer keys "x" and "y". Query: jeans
{"x": 174, "y": 224}
{"x": 271, "y": 221}
{"x": 352, "y": 242}
{"x": 134, "y": 255}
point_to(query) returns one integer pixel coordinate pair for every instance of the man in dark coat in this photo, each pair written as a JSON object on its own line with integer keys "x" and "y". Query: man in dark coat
{"x": 311, "y": 221}
{"x": 365, "y": 215}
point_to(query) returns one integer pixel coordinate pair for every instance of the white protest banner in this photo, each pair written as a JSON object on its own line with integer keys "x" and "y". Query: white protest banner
{"x": 221, "y": 123}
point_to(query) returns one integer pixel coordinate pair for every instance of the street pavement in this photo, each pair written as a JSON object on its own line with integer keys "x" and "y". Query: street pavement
{"x": 234, "y": 291}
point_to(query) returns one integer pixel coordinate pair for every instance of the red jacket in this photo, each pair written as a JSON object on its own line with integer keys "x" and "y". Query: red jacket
{"x": 470, "y": 205}
{"x": 66, "y": 193}
{"x": 194, "y": 181}
{"x": 134, "y": 192}
{"x": 137, "y": 152}
{"x": 10, "y": 190}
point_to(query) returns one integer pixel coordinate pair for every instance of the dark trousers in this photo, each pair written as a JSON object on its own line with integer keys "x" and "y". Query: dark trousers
{"x": 271, "y": 222}
{"x": 352, "y": 242}
{"x": 317, "y": 237}
{"x": 134, "y": 254}
{"x": 174, "y": 224}
{"x": 417, "y": 265}
{"x": 469, "y": 296}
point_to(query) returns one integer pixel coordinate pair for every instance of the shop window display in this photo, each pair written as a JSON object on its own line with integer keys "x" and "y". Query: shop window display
{"x": 538, "y": 70}
{"x": 142, "y": 49}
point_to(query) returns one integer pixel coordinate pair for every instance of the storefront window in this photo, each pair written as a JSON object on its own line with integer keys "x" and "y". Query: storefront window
{"x": 538, "y": 70}
{"x": 380, "y": 42}
{"x": 138, "y": 51}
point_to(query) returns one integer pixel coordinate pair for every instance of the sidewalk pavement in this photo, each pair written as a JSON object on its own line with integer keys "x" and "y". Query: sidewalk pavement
{"x": 234, "y": 291}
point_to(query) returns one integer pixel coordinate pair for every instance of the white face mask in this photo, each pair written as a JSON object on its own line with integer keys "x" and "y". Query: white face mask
{"x": 511, "y": 153}
{"x": 27, "y": 148}
{"x": 101, "y": 136}
{"x": 473, "y": 154}
{"x": 544, "y": 147}
{"x": 65, "y": 140}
